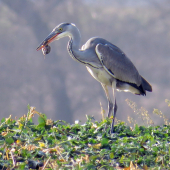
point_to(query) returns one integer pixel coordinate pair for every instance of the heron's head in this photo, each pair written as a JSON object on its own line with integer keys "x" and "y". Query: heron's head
{"x": 58, "y": 32}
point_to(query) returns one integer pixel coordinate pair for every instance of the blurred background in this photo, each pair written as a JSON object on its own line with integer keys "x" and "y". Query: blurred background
{"x": 62, "y": 88}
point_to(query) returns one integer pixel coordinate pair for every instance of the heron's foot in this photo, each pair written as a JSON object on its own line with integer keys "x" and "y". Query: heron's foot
{"x": 114, "y": 116}
{"x": 112, "y": 126}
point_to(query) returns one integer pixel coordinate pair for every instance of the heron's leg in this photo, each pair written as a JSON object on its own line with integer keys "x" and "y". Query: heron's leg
{"x": 115, "y": 106}
{"x": 110, "y": 104}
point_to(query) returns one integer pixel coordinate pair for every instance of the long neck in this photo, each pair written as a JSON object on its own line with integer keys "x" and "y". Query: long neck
{"x": 75, "y": 39}
{"x": 73, "y": 46}
{"x": 82, "y": 56}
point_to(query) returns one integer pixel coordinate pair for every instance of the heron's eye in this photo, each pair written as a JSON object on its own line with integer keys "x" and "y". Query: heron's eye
{"x": 60, "y": 29}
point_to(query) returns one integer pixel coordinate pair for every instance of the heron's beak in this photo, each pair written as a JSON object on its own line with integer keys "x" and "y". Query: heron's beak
{"x": 50, "y": 38}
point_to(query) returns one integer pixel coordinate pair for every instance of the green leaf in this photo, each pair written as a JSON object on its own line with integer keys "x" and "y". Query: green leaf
{"x": 42, "y": 125}
{"x": 9, "y": 140}
{"x": 111, "y": 155}
{"x": 3, "y": 120}
{"x": 166, "y": 135}
{"x": 136, "y": 127}
{"x": 22, "y": 166}
{"x": 41, "y": 120}
{"x": 44, "y": 116}
{"x": 92, "y": 141}
{"x": 104, "y": 141}
{"x": 28, "y": 107}
{"x": 142, "y": 149}
{"x": 9, "y": 135}
{"x": 155, "y": 149}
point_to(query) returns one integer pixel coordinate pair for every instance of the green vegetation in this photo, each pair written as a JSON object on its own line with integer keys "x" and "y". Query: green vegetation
{"x": 59, "y": 145}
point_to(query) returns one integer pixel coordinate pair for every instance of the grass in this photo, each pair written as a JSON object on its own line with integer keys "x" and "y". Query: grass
{"x": 58, "y": 145}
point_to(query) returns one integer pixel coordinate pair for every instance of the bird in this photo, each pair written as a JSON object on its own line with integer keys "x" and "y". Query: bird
{"x": 106, "y": 62}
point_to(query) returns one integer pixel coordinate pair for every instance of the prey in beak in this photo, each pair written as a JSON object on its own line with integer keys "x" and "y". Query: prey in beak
{"x": 46, "y": 49}
{"x": 45, "y": 44}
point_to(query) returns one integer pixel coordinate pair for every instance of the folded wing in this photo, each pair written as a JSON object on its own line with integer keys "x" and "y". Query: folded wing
{"x": 117, "y": 64}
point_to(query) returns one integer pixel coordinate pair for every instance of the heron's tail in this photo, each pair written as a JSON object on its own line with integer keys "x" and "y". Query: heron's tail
{"x": 146, "y": 86}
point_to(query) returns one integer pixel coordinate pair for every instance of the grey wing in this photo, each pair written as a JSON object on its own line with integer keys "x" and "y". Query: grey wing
{"x": 117, "y": 64}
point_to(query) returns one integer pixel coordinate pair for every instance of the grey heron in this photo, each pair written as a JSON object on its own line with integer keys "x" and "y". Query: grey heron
{"x": 105, "y": 62}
